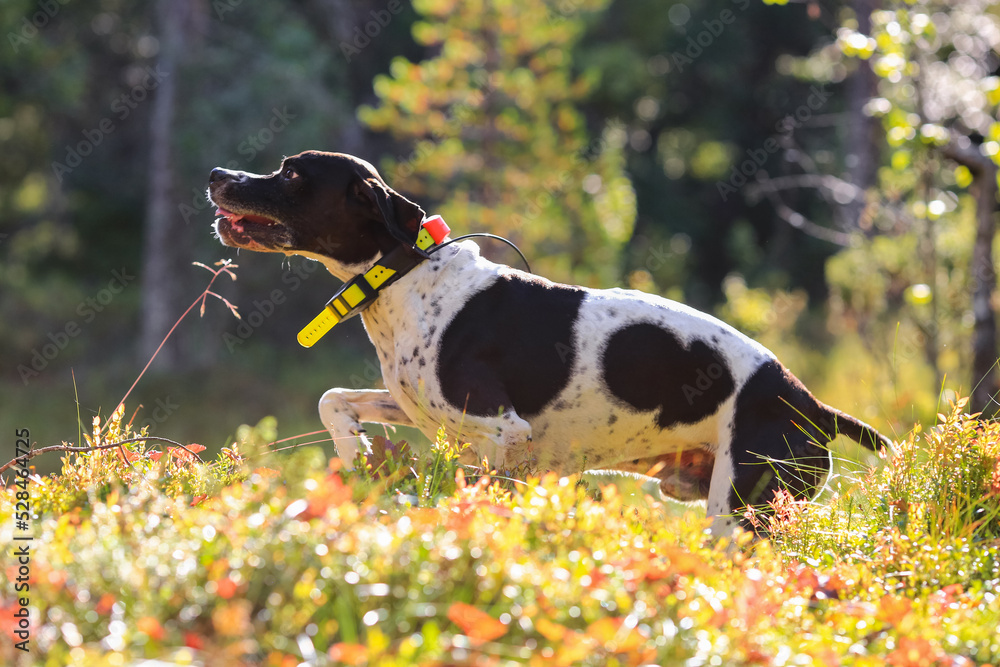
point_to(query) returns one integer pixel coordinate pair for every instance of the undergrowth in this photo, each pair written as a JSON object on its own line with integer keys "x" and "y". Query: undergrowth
{"x": 287, "y": 559}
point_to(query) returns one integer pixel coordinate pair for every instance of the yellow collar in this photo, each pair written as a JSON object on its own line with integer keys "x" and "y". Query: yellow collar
{"x": 362, "y": 290}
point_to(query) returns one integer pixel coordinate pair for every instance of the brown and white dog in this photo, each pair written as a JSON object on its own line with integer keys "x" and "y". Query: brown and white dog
{"x": 537, "y": 375}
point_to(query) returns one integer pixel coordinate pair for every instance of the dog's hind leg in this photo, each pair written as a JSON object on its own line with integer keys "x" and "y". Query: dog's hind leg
{"x": 775, "y": 449}
{"x": 344, "y": 410}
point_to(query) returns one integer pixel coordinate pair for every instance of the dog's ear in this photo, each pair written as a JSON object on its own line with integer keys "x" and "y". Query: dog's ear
{"x": 402, "y": 218}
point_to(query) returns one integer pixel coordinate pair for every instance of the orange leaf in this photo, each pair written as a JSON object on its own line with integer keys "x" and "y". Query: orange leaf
{"x": 684, "y": 562}
{"x": 573, "y": 652}
{"x": 475, "y": 623}
{"x": 332, "y": 493}
{"x": 893, "y": 609}
{"x": 105, "y": 604}
{"x": 805, "y": 577}
{"x": 613, "y": 631}
{"x": 193, "y": 640}
{"x": 349, "y": 654}
{"x": 233, "y": 619}
{"x": 550, "y": 630}
{"x": 151, "y": 627}
{"x": 226, "y": 588}
{"x": 917, "y": 653}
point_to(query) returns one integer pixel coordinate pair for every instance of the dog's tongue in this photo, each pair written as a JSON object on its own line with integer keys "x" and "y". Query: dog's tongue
{"x": 232, "y": 218}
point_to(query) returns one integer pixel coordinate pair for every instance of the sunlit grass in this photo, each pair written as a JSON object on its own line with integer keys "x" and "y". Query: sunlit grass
{"x": 281, "y": 559}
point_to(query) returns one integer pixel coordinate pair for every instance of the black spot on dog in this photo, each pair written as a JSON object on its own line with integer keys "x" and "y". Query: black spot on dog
{"x": 649, "y": 368}
{"x": 510, "y": 346}
{"x": 612, "y": 419}
{"x": 776, "y": 444}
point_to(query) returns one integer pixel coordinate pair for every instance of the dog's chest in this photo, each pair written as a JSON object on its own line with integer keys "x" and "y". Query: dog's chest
{"x": 406, "y": 325}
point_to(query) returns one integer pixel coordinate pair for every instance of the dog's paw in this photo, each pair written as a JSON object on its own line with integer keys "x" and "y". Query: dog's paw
{"x": 347, "y": 433}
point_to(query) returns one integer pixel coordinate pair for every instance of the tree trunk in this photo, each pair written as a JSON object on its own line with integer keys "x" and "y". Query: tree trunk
{"x": 161, "y": 298}
{"x": 863, "y": 131}
{"x": 984, "y": 279}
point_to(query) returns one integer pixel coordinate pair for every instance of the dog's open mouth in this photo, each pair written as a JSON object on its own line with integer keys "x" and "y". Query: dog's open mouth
{"x": 237, "y": 220}
{"x": 249, "y": 230}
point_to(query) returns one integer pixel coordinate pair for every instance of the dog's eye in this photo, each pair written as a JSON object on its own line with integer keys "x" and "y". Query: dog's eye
{"x": 290, "y": 174}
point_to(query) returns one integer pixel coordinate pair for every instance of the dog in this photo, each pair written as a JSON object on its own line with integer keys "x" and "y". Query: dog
{"x": 535, "y": 375}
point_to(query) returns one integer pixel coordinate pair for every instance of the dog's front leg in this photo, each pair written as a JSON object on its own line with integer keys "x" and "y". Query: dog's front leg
{"x": 504, "y": 441}
{"x": 344, "y": 410}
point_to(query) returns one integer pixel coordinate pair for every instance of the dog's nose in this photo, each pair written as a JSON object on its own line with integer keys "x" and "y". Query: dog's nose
{"x": 220, "y": 174}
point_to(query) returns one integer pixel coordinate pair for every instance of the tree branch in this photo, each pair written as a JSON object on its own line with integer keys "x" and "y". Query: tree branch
{"x": 770, "y": 188}
{"x": 81, "y": 450}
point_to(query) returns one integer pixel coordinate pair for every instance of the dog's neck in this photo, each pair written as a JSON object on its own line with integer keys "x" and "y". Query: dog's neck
{"x": 437, "y": 278}
{"x": 342, "y": 272}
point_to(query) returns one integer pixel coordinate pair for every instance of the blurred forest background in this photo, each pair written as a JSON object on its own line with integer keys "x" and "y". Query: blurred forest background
{"x": 819, "y": 174}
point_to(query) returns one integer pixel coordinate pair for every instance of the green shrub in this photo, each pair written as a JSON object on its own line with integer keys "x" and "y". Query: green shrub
{"x": 257, "y": 558}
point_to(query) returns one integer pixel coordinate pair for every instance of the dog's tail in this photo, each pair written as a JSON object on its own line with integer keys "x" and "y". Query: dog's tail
{"x": 832, "y": 421}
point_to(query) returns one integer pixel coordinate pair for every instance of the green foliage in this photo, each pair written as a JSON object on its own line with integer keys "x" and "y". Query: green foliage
{"x": 904, "y": 284}
{"x": 499, "y": 141}
{"x": 908, "y": 281}
{"x": 928, "y": 519}
{"x": 406, "y": 562}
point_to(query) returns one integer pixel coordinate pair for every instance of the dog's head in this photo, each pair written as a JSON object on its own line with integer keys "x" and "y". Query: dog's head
{"x": 329, "y": 205}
